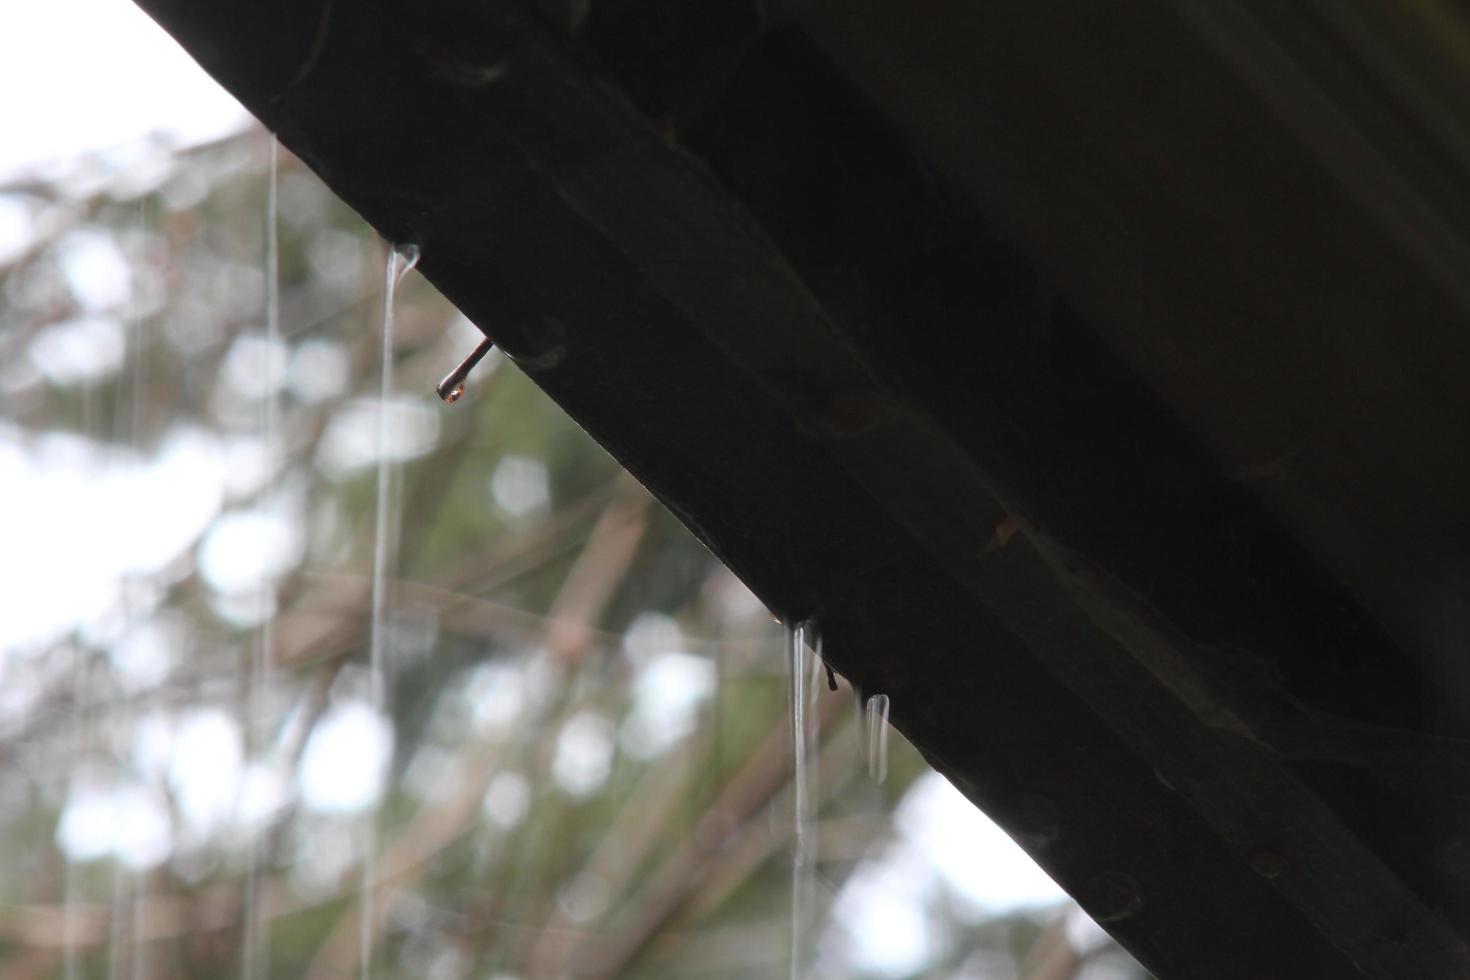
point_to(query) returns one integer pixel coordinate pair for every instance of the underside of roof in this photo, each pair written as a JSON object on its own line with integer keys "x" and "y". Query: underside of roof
{"x": 1094, "y": 375}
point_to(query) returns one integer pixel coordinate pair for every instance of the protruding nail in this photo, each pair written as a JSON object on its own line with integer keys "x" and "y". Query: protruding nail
{"x": 451, "y": 389}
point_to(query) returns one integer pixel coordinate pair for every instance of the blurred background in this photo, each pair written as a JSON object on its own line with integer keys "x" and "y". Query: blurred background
{"x": 577, "y": 761}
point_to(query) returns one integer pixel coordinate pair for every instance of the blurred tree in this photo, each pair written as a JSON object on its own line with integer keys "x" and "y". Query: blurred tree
{"x": 583, "y": 769}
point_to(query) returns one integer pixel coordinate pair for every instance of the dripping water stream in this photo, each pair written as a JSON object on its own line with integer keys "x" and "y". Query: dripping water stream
{"x": 400, "y": 261}
{"x": 803, "y": 739}
{"x": 384, "y": 536}
{"x": 876, "y": 712}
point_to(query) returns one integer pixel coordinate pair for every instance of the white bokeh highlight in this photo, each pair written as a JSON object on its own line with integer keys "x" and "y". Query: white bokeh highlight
{"x": 345, "y": 765}
{"x": 82, "y": 519}
{"x": 85, "y": 350}
{"x": 350, "y": 443}
{"x": 520, "y": 485}
{"x": 584, "y": 754}
{"x": 945, "y": 849}
{"x": 668, "y": 694}
{"x": 204, "y": 770}
{"x": 246, "y": 548}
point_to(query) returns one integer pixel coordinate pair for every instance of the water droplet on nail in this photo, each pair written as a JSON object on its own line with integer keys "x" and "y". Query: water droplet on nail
{"x": 451, "y": 387}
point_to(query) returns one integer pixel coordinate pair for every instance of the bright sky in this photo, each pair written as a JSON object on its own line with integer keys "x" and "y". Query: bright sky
{"x": 80, "y": 76}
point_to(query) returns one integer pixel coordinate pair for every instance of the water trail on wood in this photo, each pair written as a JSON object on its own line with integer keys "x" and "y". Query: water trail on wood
{"x": 253, "y": 965}
{"x": 803, "y": 872}
{"x": 400, "y": 261}
{"x": 877, "y": 713}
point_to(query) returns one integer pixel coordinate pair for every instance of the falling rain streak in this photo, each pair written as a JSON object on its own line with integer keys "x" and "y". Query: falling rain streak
{"x": 71, "y": 898}
{"x": 129, "y": 886}
{"x": 116, "y": 938}
{"x": 400, "y": 261}
{"x": 254, "y": 966}
{"x": 803, "y": 745}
